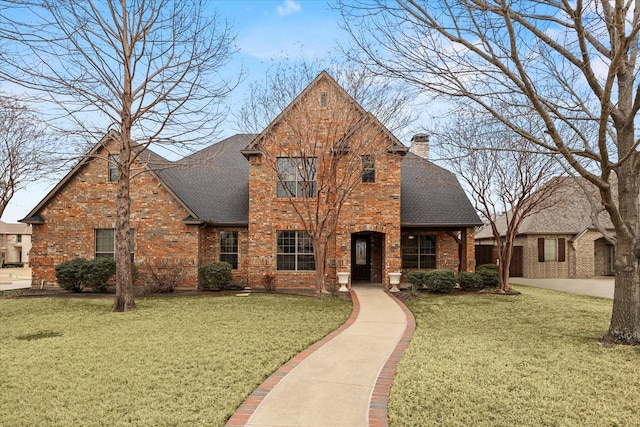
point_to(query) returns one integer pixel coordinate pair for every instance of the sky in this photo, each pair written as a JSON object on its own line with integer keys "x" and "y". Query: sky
{"x": 266, "y": 31}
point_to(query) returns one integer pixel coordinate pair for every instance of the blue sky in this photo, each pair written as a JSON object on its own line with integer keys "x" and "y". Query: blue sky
{"x": 266, "y": 31}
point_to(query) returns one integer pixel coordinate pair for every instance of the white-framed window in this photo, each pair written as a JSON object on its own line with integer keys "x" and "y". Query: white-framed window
{"x": 294, "y": 251}
{"x": 297, "y": 177}
{"x": 114, "y": 172}
{"x": 229, "y": 248}
{"x": 368, "y": 168}
{"x": 105, "y": 243}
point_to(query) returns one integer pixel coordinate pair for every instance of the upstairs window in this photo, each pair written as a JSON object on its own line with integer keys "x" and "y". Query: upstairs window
{"x": 419, "y": 251}
{"x": 294, "y": 251}
{"x": 229, "y": 248}
{"x": 19, "y": 238}
{"x": 368, "y": 168}
{"x": 297, "y": 177}
{"x": 114, "y": 173}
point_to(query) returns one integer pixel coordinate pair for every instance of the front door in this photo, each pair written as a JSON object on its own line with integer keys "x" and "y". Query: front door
{"x": 361, "y": 258}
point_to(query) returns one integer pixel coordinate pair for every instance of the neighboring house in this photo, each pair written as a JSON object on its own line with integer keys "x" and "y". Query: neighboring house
{"x": 15, "y": 243}
{"x": 225, "y": 203}
{"x": 560, "y": 241}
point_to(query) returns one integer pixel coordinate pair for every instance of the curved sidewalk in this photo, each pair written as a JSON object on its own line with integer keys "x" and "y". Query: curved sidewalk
{"x": 342, "y": 380}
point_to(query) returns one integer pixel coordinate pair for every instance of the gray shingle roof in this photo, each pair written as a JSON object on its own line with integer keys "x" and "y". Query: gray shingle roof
{"x": 570, "y": 214}
{"x": 432, "y": 196}
{"x": 214, "y": 184}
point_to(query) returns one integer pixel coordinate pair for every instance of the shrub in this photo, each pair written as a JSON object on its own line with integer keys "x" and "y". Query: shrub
{"x": 489, "y": 273}
{"x": 215, "y": 276}
{"x": 417, "y": 278}
{"x": 470, "y": 281}
{"x": 269, "y": 282}
{"x": 97, "y": 272}
{"x": 162, "y": 277}
{"x": 440, "y": 281}
{"x": 70, "y": 274}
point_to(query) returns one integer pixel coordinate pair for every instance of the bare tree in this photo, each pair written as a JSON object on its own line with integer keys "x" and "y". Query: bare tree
{"x": 147, "y": 69}
{"x": 573, "y": 63}
{"x": 26, "y": 150}
{"x": 509, "y": 179}
{"x": 389, "y": 102}
{"x": 318, "y": 158}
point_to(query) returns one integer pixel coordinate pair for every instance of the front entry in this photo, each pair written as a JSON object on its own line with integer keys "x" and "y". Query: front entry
{"x": 361, "y": 257}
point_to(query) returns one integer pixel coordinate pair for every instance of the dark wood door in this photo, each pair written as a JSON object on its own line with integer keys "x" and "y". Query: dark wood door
{"x": 360, "y": 258}
{"x": 516, "y": 268}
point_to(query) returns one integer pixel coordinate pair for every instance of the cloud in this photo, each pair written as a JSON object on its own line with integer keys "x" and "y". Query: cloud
{"x": 289, "y": 7}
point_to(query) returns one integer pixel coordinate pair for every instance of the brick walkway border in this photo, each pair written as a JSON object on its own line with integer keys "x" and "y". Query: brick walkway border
{"x": 379, "y": 402}
{"x": 380, "y": 395}
{"x": 251, "y": 403}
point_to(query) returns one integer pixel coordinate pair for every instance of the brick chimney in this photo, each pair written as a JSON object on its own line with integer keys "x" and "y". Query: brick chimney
{"x": 420, "y": 145}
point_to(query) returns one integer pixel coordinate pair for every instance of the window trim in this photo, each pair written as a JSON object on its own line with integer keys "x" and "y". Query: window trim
{"x": 286, "y": 187}
{"x": 296, "y": 254}
{"x": 106, "y": 254}
{"x": 225, "y": 255}
{"x": 431, "y": 258}
{"x": 113, "y": 173}
{"x": 368, "y": 168}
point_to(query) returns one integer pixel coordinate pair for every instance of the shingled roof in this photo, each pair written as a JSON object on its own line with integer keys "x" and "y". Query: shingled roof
{"x": 570, "y": 214}
{"x": 432, "y": 196}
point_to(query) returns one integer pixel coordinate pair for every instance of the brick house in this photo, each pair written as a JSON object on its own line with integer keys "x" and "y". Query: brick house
{"x": 235, "y": 201}
{"x": 560, "y": 241}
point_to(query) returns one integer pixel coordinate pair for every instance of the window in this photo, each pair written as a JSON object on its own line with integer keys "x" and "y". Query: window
{"x": 114, "y": 174}
{"x": 419, "y": 251}
{"x": 297, "y": 177}
{"x": 105, "y": 243}
{"x": 368, "y": 168}
{"x": 19, "y": 238}
{"x": 324, "y": 99}
{"x": 550, "y": 249}
{"x": 295, "y": 251}
{"x": 229, "y": 248}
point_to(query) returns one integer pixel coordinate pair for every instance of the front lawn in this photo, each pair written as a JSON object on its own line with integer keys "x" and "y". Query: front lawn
{"x": 528, "y": 360}
{"x": 174, "y": 361}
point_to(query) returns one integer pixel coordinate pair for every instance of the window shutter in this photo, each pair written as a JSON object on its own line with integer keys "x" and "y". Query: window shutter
{"x": 561, "y": 245}
{"x": 540, "y": 249}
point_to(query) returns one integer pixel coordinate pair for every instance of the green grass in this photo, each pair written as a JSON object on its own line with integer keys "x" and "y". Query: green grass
{"x": 528, "y": 360}
{"x": 175, "y": 361}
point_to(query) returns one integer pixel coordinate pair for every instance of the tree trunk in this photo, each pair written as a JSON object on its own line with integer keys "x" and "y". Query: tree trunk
{"x": 320, "y": 255}
{"x": 625, "y": 317}
{"x": 124, "y": 288}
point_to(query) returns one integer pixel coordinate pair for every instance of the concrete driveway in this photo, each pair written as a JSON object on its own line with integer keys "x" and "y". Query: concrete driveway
{"x": 597, "y": 287}
{"x": 15, "y": 278}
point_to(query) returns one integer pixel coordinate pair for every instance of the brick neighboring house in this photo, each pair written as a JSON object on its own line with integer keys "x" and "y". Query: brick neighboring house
{"x": 559, "y": 242}
{"x": 225, "y": 203}
{"x": 15, "y": 243}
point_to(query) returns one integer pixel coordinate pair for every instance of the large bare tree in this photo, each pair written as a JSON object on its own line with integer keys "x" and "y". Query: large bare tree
{"x": 146, "y": 69}
{"x": 26, "y": 149}
{"x": 509, "y": 179}
{"x": 574, "y": 63}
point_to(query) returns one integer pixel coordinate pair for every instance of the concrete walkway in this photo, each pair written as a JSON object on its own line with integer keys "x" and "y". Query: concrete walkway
{"x": 343, "y": 380}
{"x": 597, "y": 287}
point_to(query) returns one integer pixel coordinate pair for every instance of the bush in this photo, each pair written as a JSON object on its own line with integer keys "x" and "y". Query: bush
{"x": 215, "y": 276}
{"x": 417, "y": 278}
{"x": 70, "y": 274}
{"x": 269, "y": 282}
{"x": 161, "y": 278}
{"x": 440, "y": 281}
{"x": 97, "y": 272}
{"x": 490, "y": 275}
{"x": 470, "y": 281}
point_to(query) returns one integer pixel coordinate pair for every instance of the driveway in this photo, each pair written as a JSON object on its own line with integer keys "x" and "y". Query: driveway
{"x": 15, "y": 278}
{"x": 597, "y": 287}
